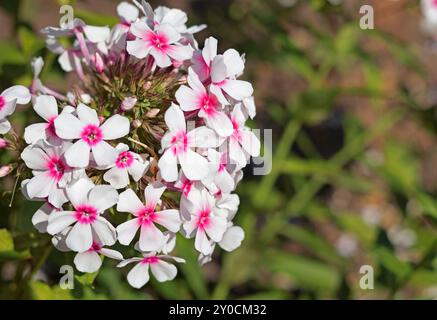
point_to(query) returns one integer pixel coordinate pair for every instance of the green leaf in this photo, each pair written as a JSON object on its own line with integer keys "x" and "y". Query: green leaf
{"x": 391, "y": 262}
{"x": 42, "y": 291}
{"x": 87, "y": 279}
{"x": 7, "y": 250}
{"x": 29, "y": 42}
{"x": 6, "y": 241}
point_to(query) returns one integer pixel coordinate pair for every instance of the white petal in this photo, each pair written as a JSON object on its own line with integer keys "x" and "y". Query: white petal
{"x": 171, "y": 34}
{"x": 250, "y": 143}
{"x": 127, "y": 230}
{"x": 103, "y": 197}
{"x": 80, "y": 238}
{"x": 168, "y": 166}
{"x": 234, "y": 62}
{"x": 216, "y": 228}
{"x": 218, "y": 69}
{"x": 127, "y": 11}
{"x": 129, "y": 202}
{"x": 78, "y": 155}
{"x": 115, "y": 127}
{"x": 35, "y": 158}
{"x": 169, "y": 219}
{"x": 140, "y": 29}
{"x": 128, "y": 261}
{"x": 46, "y": 107}
{"x": 57, "y": 196}
{"x": 221, "y": 123}
{"x": 202, "y": 243}
{"x": 78, "y": 191}
{"x": 113, "y": 254}
{"x": 188, "y": 99}
{"x": 59, "y": 221}
{"x": 116, "y": 177}
{"x": 88, "y": 261}
{"x": 40, "y": 219}
{"x": 210, "y": 50}
{"x": 87, "y": 115}
{"x": 68, "y": 126}
{"x": 21, "y": 93}
{"x": 138, "y": 48}
{"x": 35, "y": 132}
{"x": 138, "y": 169}
{"x": 203, "y": 137}
{"x": 105, "y": 231}
{"x": 163, "y": 271}
{"x": 236, "y": 153}
{"x": 194, "y": 166}
{"x": 224, "y": 181}
{"x": 96, "y": 34}
{"x": 139, "y": 275}
{"x": 175, "y": 120}
{"x": 40, "y": 186}
{"x": 180, "y": 53}
{"x": 238, "y": 89}
{"x": 162, "y": 60}
{"x": 232, "y": 239}
{"x": 151, "y": 238}
{"x": 153, "y": 193}
{"x": 5, "y": 126}
{"x": 104, "y": 154}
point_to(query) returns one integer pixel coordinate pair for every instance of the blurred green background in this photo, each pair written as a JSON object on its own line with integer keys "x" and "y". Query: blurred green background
{"x": 353, "y": 114}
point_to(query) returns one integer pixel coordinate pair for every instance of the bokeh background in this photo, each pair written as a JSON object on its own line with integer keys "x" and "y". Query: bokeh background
{"x": 354, "y": 120}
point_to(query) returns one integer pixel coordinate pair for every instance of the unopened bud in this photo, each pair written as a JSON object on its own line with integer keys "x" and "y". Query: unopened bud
{"x": 128, "y": 103}
{"x": 3, "y": 144}
{"x": 5, "y": 170}
{"x": 98, "y": 63}
{"x": 136, "y": 123}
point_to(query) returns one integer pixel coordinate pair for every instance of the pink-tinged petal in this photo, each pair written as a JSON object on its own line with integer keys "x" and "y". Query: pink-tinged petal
{"x": 129, "y": 202}
{"x": 40, "y": 186}
{"x": 250, "y": 143}
{"x": 117, "y": 177}
{"x": 126, "y": 262}
{"x": 221, "y": 124}
{"x": 60, "y": 221}
{"x": 234, "y": 63}
{"x": 195, "y": 83}
{"x": 115, "y": 127}
{"x": 35, "y": 132}
{"x": 190, "y": 227}
{"x": 163, "y": 271}
{"x": 216, "y": 228}
{"x": 139, "y": 275}
{"x": 194, "y": 166}
{"x": 210, "y": 50}
{"x": 236, "y": 153}
{"x": 87, "y": 115}
{"x": 78, "y": 191}
{"x": 113, "y": 254}
{"x": 162, "y": 60}
{"x": 203, "y": 137}
{"x": 104, "y": 154}
{"x": 127, "y": 11}
{"x": 188, "y": 99}
{"x": 57, "y": 197}
{"x": 5, "y": 126}
{"x": 238, "y": 116}
{"x": 168, "y": 166}
{"x": 103, "y": 197}
{"x": 68, "y": 126}
{"x": 179, "y": 52}
{"x": 80, "y": 238}
{"x": 138, "y": 169}
{"x": 169, "y": 32}
{"x": 78, "y": 155}
{"x": 140, "y": 29}
{"x": 202, "y": 243}
{"x": 153, "y": 193}
{"x": 151, "y": 238}
{"x": 200, "y": 67}
{"x": 46, "y": 107}
{"x": 217, "y": 91}
{"x": 40, "y": 218}
{"x": 8, "y": 108}
{"x": 169, "y": 219}
{"x": 87, "y": 262}
{"x": 218, "y": 70}
{"x": 232, "y": 239}
{"x": 224, "y": 181}
{"x": 105, "y": 232}
{"x": 138, "y": 48}
{"x": 237, "y": 89}
{"x": 96, "y": 34}
{"x": 19, "y": 93}
{"x": 66, "y": 61}
{"x": 35, "y": 158}
{"x": 127, "y": 231}
{"x": 174, "y": 118}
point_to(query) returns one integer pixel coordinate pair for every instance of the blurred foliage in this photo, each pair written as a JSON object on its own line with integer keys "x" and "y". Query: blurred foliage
{"x": 343, "y": 192}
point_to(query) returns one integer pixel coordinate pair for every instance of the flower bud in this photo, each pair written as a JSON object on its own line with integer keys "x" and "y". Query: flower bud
{"x": 128, "y": 103}
{"x": 5, "y": 170}
{"x": 3, "y": 144}
{"x": 136, "y": 123}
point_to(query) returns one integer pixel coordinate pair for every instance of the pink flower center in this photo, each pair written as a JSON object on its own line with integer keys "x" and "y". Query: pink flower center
{"x": 51, "y": 127}
{"x": 124, "y": 160}
{"x": 158, "y": 41}
{"x": 209, "y": 104}
{"x": 146, "y": 216}
{"x": 179, "y": 143}
{"x": 95, "y": 247}
{"x": 86, "y": 214}
{"x": 2, "y": 103}
{"x": 56, "y": 168}
{"x": 186, "y": 187}
{"x": 92, "y": 135}
{"x": 150, "y": 260}
{"x": 434, "y": 3}
{"x": 204, "y": 219}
